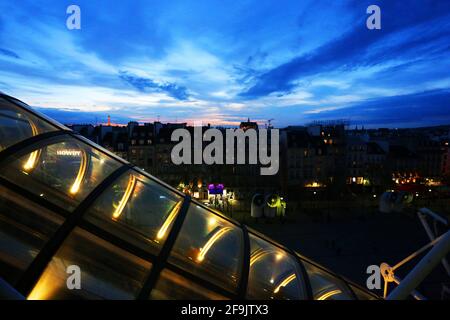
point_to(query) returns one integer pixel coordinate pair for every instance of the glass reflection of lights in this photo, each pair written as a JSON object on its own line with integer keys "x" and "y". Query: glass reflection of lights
{"x": 173, "y": 213}
{"x": 284, "y": 283}
{"x": 81, "y": 173}
{"x": 34, "y": 156}
{"x": 126, "y": 196}
{"x": 329, "y": 294}
{"x": 219, "y": 234}
{"x": 212, "y": 221}
{"x": 31, "y": 161}
{"x": 259, "y": 253}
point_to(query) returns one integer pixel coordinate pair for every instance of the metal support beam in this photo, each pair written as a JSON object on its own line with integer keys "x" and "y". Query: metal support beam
{"x": 422, "y": 216}
{"x": 243, "y": 282}
{"x": 422, "y": 269}
{"x": 163, "y": 256}
{"x": 37, "y": 267}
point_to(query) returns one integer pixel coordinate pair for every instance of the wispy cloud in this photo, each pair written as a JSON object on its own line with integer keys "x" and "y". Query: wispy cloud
{"x": 353, "y": 48}
{"x": 148, "y": 85}
{"x": 402, "y": 110}
{"x": 9, "y": 53}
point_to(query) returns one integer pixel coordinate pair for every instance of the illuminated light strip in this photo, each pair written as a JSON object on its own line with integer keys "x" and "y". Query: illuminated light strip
{"x": 211, "y": 241}
{"x": 256, "y": 255}
{"x": 285, "y": 282}
{"x": 162, "y": 231}
{"x": 34, "y": 156}
{"x": 325, "y": 296}
{"x": 126, "y": 196}
{"x": 81, "y": 173}
{"x": 32, "y": 160}
{"x": 259, "y": 253}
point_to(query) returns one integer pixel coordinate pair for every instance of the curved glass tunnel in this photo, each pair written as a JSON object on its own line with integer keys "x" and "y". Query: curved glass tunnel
{"x": 67, "y": 203}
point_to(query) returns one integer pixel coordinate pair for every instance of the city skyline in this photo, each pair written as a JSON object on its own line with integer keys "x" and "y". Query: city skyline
{"x": 224, "y": 62}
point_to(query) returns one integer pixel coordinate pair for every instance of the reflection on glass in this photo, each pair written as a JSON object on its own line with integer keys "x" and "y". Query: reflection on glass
{"x": 285, "y": 282}
{"x": 125, "y": 198}
{"x": 24, "y": 229}
{"x": 107, "y": 272}
{"x": 64, "y": 171}
{"x": 325, "y": 286}
{"x": 172, "y": 286}
{"x": 136, "y": 209}
{"x": 162, "y": 232}
{"x": 81, "y": 173}
{"x": 17, "y": 124}
{"x": 361, "y": 294}
{"x": 211, "y": 241}
{"x": 30, "y": 163}
{"x": 209, "y": 247}
{"x": 273, "y": 274}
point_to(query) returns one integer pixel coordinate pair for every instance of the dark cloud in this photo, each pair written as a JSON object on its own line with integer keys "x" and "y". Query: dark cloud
{"x": 9, "y": 53}
{"x": 429, "y": 107}
{"x": 148, "y": 85}
{"x": 68, "y": 117}
{"x": 352, "y": 49}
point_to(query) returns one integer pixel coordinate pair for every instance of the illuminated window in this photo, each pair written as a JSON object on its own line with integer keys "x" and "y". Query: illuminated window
{"x": 24, "y": 229}
{"x": 210, "y": 247}
{"x": 274, "y": 274}
{"x": 171, "y": 286}
{"x": 17, "y": 125}
{"x": 138, "y": 210}
{"x": 107, "y": 272}
{"x": 63, "y": 171}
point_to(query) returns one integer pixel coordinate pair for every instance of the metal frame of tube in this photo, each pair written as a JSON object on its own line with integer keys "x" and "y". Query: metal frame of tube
{"x": 422, "y": 269}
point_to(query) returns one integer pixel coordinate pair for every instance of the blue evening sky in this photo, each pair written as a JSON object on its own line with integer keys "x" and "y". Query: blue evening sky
{"x": 220, "y": 62}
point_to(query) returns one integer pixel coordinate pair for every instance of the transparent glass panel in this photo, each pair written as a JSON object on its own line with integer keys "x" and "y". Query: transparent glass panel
{"x": 63, "y": 171}
{"x": 210, "y": 247}
{"x": 25, "y": 227}
{"x": 172, "y": 286}
{"x": 273, "y": 273}
{"x": 326, "y": 286}
{"x": 361, "y": 294}
{"x": 17, "y": 124}
{"x": 107, "y": 272}
{"x": 138, "y": 210}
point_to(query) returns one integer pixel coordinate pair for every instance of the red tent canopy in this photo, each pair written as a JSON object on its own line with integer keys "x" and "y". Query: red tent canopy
{"x": 410, "y": 187}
